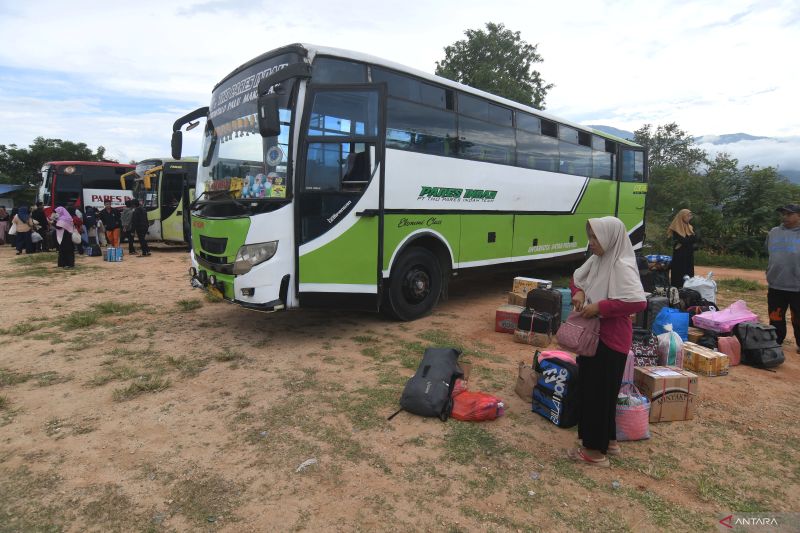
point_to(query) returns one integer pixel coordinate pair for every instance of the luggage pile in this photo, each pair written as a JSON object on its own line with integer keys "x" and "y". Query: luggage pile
{"x": 534, "y": 311}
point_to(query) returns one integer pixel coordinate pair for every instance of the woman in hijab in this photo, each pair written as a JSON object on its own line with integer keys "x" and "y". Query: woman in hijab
{"x": 64, "y": 229}
{"x": 683, "y": 239}
{"x": 606, "y": 286}
{"x": 24, "y": 224}
{"x": 5, "y": 223}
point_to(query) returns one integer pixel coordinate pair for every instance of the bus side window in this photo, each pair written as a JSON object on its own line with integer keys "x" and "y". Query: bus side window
{"x": 632, "y": 166}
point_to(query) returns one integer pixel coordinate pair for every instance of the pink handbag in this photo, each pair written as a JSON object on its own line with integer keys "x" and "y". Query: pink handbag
{"x": 579, "y": 335}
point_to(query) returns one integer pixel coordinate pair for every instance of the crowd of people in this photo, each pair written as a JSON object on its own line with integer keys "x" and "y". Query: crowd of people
{"x": 68, "y": 230}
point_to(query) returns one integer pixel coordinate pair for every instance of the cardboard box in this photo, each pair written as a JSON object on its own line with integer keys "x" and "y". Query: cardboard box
{"x": 516, "y": 298}
{"x": 704, "y": 360}
{"x": 542, "y": 340}
{"x": 671, "y": 390}
{"x": 506, "y": 318}
{"x": 695, "y": 334}
{"x": 525, "y": 285}
{"x": 526, "y": 380}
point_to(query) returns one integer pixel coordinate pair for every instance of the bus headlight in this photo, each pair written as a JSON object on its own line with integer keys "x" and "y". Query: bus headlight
{"x": 251, "y": 255}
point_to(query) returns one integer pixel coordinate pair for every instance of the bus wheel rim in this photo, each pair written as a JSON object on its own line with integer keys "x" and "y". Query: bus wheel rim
{"x": 416, "y": 285}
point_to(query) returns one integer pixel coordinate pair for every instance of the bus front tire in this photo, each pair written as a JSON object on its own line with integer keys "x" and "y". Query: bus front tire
{"x": 415, "y": 285}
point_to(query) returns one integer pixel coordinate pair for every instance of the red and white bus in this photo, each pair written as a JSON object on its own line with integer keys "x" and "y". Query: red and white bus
{"x": 83, "y": 183}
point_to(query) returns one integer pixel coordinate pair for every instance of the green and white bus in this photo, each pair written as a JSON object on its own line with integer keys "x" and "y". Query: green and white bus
{"x": 335, "y": 176}
{"x": 165, "y": 188}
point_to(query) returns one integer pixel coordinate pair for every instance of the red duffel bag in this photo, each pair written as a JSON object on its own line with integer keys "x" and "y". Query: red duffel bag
{"x": 476, "y": 406}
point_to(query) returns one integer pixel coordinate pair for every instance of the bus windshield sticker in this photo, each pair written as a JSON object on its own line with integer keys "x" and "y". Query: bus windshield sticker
{"x": 274, "y": 156}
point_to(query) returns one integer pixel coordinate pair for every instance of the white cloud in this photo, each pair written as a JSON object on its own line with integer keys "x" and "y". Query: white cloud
{"x": 782, "y": 153}
{"x": 711, "y": 66}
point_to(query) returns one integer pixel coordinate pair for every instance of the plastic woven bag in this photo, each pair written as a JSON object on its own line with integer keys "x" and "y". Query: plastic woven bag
{"x": 670, "y": 348}
{"x": 633, "y": 414}
{"x": 706, "y": 286}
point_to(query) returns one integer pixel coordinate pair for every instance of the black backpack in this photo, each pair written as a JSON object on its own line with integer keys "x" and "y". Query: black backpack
{"x": 689, "y": 298}
{"x": 759, "y": 345}
{"x": 429, "y": 391}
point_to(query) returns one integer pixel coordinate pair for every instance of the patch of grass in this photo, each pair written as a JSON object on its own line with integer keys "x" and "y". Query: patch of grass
{"x": 227, "y": 355}
{"x": 188, "y": 367}
{"x": 117, "y": 308}
{"x": 80, "y": 319}
{"x": 213, "y": 299}
{"x": 9, "y": 377}
{"x": 53, "y": 337}
{"x": 702, "y": 257}
{"x": 4, "y": 403}
{"x": 35, "y": 271}
{"x": 295, "y": 383}
{"x": 657, "y": 466}
{"x": 144, "y": 384}
{"x": 364, "y": 339}
{"x": 740, "y": 285}
{"x": 37, "y": 259}
{"x": 112, "y": 510}
{"x": 496, "y": 519}
{"x": 27, "y": 503}
{"x": 663, "y": 512}
{"x": 443, "y": 339}
{"x": 23, "y": 328}
{"x": 567, "y": 469}
{"x": 189, "y": 305}
{"x": 368, "y": 407}
{"x": 205, "y": 499}
{"x": 45, "y": 379}
{"x": 126, "y": 338}
{"x": 739, "y": 498}
{"x": 464, "y": 442}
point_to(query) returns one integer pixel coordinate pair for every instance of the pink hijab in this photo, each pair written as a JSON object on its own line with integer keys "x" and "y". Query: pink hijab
{"x": 64, "y": 222}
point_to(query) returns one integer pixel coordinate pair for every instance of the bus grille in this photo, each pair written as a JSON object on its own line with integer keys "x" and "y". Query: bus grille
{"x": 213, "y": 245}
{"x": 214, "y": 259}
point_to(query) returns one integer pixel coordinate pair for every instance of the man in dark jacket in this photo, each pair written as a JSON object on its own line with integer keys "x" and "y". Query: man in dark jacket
{"x": 111, "y": 222}
{"x": 140, "y": 225}
{"x": 39, "y": 216}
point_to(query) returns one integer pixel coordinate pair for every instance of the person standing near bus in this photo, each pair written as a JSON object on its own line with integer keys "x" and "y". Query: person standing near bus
{"x": 140, "y": 224}
{"x": 683, "y": 239}
{"x": 127, "y": 228}
{"x": 111, "y": 222}
{"x": 607, "y": 286}
{"x": 65, "y": 226}
{"x": 5, "y": 224}
{"x": 24, "y": 224}
{"x": 783, "y": 273}
{"x": 39, "y": 216}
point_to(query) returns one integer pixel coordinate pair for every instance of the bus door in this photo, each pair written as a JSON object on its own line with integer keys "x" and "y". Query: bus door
{"x": 173, "y": 197}
{"x": 632, "y": 192}
{"x": 339, "y": 193}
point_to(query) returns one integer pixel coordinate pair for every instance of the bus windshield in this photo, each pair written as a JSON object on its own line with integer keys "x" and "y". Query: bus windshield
{"x": 235, "y": 157}
{"x": 147, "y": 197}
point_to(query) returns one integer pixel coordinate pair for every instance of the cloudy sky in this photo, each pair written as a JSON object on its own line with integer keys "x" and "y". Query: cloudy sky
{"x": 118, "y": 74}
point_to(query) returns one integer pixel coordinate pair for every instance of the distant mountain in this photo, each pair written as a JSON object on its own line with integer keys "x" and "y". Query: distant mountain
{"x": 727, "y": 138}
{"x": 782, "y": 153}
{"x": 613, "y": 131}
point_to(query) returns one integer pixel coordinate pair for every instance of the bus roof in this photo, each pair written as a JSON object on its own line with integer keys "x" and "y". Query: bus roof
{"x": 91, "y": 163}
{"x": 312, "y": 50}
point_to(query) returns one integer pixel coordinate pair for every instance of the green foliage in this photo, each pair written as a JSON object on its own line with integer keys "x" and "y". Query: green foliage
{"x": 734, "y": 206}
{"x": 669, "y": 146}
{"x": 497, "y": 61}
{"x": 22, "y": 165}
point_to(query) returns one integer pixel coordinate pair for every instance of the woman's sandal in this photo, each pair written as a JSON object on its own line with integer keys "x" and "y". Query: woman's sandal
{"x": 579, "y": 456}
{"x": 614, "y": 449}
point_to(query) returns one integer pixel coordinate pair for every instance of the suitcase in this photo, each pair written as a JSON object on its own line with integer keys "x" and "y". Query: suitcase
{"x": 546, "y": 301}
{"x": 535, "y": 321}
{"x": 654, "y": 305}
{"x": 566, "y": 303}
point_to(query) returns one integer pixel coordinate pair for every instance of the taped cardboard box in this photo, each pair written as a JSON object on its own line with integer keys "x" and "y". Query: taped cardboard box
{"x": 671, "y": 391}
{"x": 524, "y": 285}
{"x": 526, "y": 381}
{"x": 506, "y": 318}
{"x": 516, "y": 298}
{"x": 704, "y": 360}
{"x": 695, "y": 334}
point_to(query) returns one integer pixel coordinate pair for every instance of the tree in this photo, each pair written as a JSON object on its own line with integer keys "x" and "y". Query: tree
{"x": 669, "y": 145}
{"x": 497, "y": 61}
{"x": 22, "y": 165}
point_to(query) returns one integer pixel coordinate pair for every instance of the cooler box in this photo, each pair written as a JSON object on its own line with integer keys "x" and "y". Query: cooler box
{"x": 671, "y": 391}
{"x": 506, "y": 317}
{"x": 566, "y": 303}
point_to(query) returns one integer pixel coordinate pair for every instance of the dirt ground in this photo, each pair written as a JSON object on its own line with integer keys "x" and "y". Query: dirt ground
{"x": 130, "y": 402}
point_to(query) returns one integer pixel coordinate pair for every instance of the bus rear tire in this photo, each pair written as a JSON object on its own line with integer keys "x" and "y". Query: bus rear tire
{"x": 415, "y": 284}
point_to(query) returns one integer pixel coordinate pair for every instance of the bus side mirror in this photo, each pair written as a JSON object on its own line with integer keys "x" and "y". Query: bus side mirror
{"x": 177, "y": 144}
{"x": 269, "y": 124}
